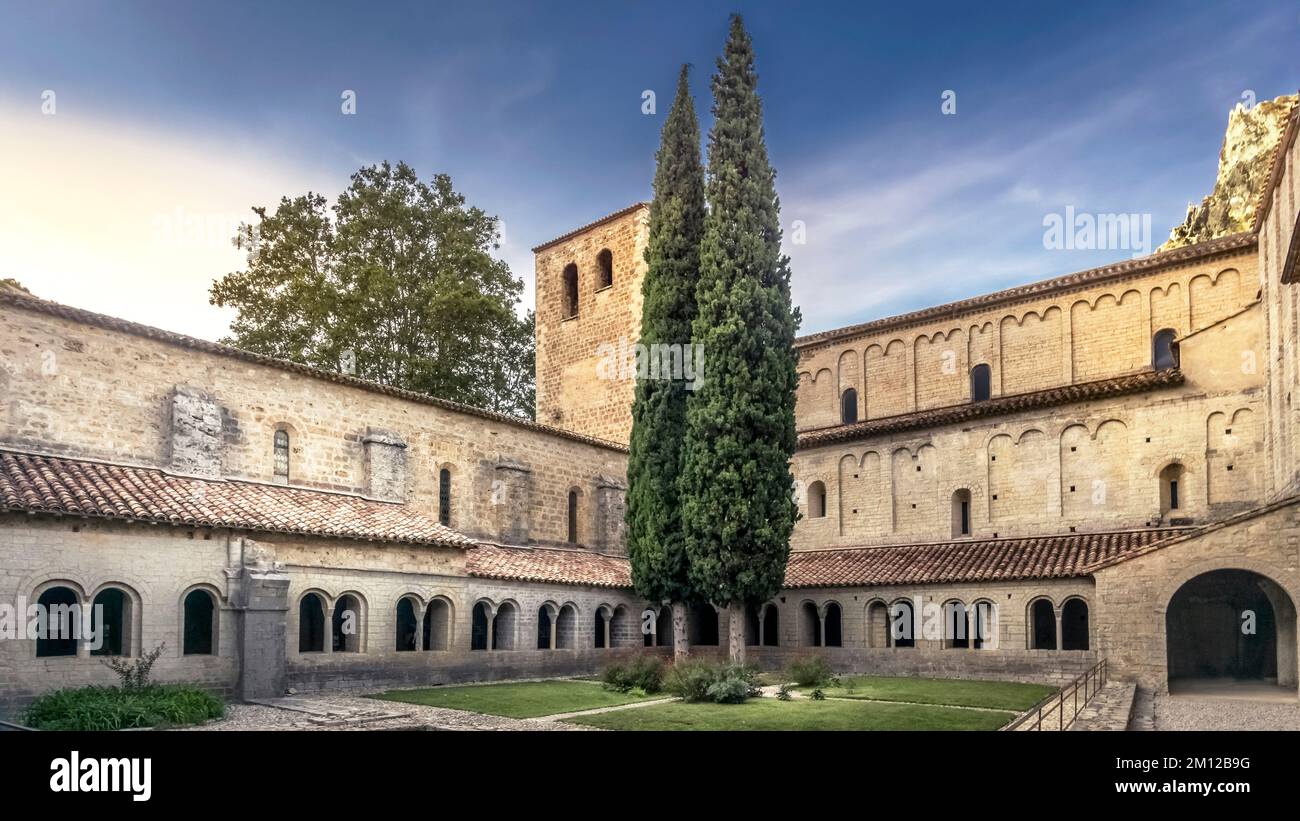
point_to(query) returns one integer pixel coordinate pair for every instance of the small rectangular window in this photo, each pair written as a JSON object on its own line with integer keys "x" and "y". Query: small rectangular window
{"x": 444, "y": 497}
{"x": 1173, "y": 494}
{"x": 965, "y": 518}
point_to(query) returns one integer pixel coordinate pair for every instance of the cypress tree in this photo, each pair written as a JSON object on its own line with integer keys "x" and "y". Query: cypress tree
{"x": 738, "y": 506}
{"x": 655, "y": 546}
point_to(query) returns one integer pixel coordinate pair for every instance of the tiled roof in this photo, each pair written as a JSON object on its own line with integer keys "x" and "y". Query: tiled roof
{"x": 1191, "y": 253}
{"x": 26, "y": 302}
{"x": 980, "y": 560}
{"x": 545, "y": 564}
{"x": 56, "y": 485}
{"x": 1064, "y": 395}
{"x": 622, "y": 212}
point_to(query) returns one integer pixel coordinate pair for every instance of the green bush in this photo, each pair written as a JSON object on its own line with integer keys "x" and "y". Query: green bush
{"x": 810, "y": 671}
{"x": 700, "y": 680}
{"x": 645, "y": 674}
{"x": 118, "y": 708}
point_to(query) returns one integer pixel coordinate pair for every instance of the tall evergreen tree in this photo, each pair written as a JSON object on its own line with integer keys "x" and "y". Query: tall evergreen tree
{"x": 655, "y": 546}
{"x": 738, "y": 507}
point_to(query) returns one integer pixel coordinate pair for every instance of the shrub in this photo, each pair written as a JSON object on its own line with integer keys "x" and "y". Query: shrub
{"x": 706, "y": 681}
{"x": 121, "y": 708}
{"x": 784, "y": 693}
{"x": 818, "y": 695}
{"x": 134, "y": 674}
{"x": 645, "y": 674}
{"x": 809, "y": 671}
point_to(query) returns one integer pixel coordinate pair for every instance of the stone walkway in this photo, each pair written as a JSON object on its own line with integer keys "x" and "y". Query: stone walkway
{"x": 1206, "y": 712}
{"x": 1109, "y": 710}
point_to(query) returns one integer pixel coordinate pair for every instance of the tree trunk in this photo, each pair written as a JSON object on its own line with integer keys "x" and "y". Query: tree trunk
{"x": 736, "y": 632}
{"x": 681, "y": 638}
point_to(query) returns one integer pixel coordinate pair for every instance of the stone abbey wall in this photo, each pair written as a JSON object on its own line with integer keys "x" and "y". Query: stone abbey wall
{"x": 572, "y": 392}
{"x": 78, "y": 389}
{"x": 1062, "y": 338}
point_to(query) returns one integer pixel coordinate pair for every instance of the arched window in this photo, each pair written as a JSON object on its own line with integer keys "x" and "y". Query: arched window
{"x": 961, "y": 513}
{"x": 478, "y": 636}
{"x": 311, "y": 624}
{"x": 570, "y": 290}
{"x": 444, "y": 497}
{"x": 110, "y": 616}
{"x": 605, "y": 265}
{"x": 1171, "y": 489}
{"x": 573, "y": 517}
{"x": 58, "y": 623}
{"x": 878, "y": 632}
{"x": 282, "y": 456}
{"x": 902, "y": 624}
{"x": 984, "y": 629}
{"x": 849, "y": 407}
{"x": 981, "y": 383}
{"x": 956, "y": 625}
{"x": 1074, "y": 625}
{"x": 544, "y": 627}
{"x": 771, "y": 626}
{"x": 1042, "y": 625}
{"x": 816, "y": 500}
{"x": 437, "y": 625}
{"x": 834, "y": 625}
{"x": 600, "y": 629}
{"x": 1164, "y": 351}
{"x": 406, "y": 625}
{"x": 200, "y": 624}
{"x": 703, "y": 623}
{"x": 345, "y": 625}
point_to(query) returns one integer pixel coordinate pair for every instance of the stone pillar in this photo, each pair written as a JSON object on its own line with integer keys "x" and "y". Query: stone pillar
{"x": 491, "y": 624}
{"x": 385, "y": 465}
{"x": 1058, "y": 628}
{"x": 260, "y": 599}
{"x": 511, "y": 499}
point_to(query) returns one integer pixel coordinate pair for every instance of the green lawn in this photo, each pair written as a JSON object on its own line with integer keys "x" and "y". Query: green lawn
{"x": 998, "y": 695}
{"x": 770, "y": 714}
{"x": 523, "y": 699}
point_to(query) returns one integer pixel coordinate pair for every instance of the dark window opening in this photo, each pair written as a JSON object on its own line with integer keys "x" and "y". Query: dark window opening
{"x": 282, "y": 455}
{"x": 59, "y": 622}
{"x": 444, "y": 497}
{"x": 406, "y": 626}
{"x": 605, "y": 264}
{"x": 479, "y": 627}
{"x": 311, "y": 624}
{"x": 573, "y": 517}
{"x": 981, "y": 383}
{"x": 1043, "y": 619}
{"x": 345, "y": 626}
{"x": 112, "y": 621}
{"x": 1074, "y": 625}
{"x": 570, "y": 290}
{"x": 849, "y": 407}
{"x": 1164, "y": 350}
{"x": 199, "y": 610}
{"x": 834, "y": 625}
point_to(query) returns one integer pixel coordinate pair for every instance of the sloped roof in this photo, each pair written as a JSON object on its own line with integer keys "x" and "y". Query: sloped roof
{"x": 546, "y": 564}
{"x": 55, "y": 485}
{"x": 1063, "y": 395}
{"x": 971, "y": 560}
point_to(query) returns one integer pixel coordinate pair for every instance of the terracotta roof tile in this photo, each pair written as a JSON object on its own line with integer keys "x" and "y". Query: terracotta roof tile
{"x": 977, "y": 560}
{"x": 544, "y": 564}
{"x": 622, "y": 212}
{"x": 48, "y": 484}
{"x": 1066, "y": 394}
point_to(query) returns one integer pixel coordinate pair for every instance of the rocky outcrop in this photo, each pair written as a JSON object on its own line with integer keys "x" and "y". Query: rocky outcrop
{"x": 1244, "y": 166}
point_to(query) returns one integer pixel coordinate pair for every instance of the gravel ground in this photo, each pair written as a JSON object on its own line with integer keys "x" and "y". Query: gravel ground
{"x": 1196, "y": 713}
{"x": 416, "y": 717}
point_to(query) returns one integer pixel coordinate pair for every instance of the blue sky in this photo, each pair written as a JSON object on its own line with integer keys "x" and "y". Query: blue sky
{"x": 173, "y": 119}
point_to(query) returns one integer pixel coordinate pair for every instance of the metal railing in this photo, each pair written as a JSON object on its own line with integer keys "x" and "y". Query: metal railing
{"x": 1071, "y": 698}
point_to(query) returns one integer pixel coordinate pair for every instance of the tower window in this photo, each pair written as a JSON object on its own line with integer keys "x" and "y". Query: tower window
{"x": 1164, "y": 354}
{"x": 570, "y": 290}
{"x": 849, "y": 407}
{"x": 282, "y": 456}
{"x": 961, "y": 513}
{"x": 980, "y": 383}
{"x": 1170, "y": 486}
{"x": 605, "y": 265}
{"x": 573, "y": 517}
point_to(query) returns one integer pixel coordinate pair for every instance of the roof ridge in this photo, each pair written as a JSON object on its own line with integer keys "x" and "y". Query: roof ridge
{"x": 622, "y": 212}
{"x": 1172, "y": 530}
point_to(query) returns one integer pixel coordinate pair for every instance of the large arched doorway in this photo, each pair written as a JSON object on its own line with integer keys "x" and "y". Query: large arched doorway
{"x": 1230, "y": 628}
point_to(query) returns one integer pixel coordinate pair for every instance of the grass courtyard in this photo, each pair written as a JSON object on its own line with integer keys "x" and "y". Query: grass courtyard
{"x": 521, "y": 699}
{"x": 854, "y": 703}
